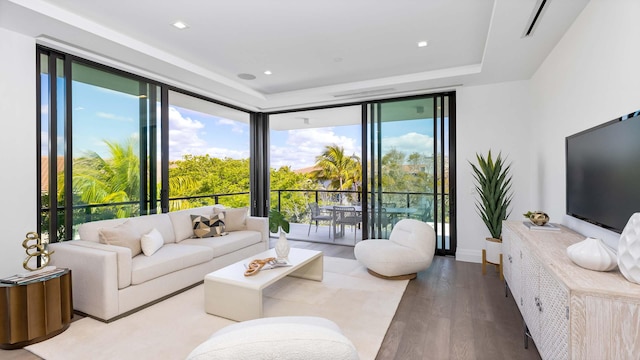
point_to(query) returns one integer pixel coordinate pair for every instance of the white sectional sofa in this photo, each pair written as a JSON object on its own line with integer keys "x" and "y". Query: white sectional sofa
{"x": 108, "y": 282}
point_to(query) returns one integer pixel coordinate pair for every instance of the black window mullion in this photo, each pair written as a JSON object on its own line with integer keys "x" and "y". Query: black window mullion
{"x": 153, "y": 149}
{"x": 53, "y": 149}
{"x": 68, "y": 157}
{"x": 142, "y": 146}
{"x": 164, "y": 148}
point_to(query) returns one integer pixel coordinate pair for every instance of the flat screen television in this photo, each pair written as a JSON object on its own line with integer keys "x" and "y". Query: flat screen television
{"x": 603, "y": 172}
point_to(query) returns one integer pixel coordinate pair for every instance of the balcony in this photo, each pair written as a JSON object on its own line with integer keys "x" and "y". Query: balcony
{"x": 294, "y": 204}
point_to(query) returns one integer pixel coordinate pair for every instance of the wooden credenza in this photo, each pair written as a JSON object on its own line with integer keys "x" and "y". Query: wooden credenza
{"x": 571, "y": 312}
{"x": 35, "y": 311}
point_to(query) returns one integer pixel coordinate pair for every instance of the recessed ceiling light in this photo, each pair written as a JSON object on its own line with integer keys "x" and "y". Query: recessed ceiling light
{"x": 180, "y": 25}
{"x": 422, "y": 43}
{"x": 245, "y": 76}
{"x": 268, "y": 72}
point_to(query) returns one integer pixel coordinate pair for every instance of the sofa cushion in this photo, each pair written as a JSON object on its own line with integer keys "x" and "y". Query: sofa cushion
{"x": 168, "y": 259}
{"x": 162, "y": 222}
{"x": 89, "y": 231}
{"x": 143, "y": 224}
{"x": 125, "y": 235}
{"x": 151, "y": 242}
{"x": 181, "y": 221}
{"x": 234, "y": 218}
{"x": 227, "y": 244}
{"x": 208, "y": 226}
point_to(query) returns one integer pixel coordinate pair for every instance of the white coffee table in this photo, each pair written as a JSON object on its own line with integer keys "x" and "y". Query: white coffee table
{"x": 230, "y": 294}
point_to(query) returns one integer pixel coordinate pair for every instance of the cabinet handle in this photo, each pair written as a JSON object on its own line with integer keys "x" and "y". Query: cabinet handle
{"x": 538, "y": 303}
{"x": 566, "y": 312}
{"x": 510, "y": 259}
{"x": 521, "y": 301}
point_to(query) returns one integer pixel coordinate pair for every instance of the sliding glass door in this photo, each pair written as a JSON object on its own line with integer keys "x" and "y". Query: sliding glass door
{"x": 409, "y": 157}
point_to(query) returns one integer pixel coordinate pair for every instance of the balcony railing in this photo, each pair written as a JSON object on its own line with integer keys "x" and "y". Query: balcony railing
{"x": 292, "y": 202}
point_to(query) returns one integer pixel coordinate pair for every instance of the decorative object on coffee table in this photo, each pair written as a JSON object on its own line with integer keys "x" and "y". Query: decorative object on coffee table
{"x": 593, "y": 254}
{"x": 539, "y": 218}
{"x": 629, "y": 249}
{"x": 277, "y": 223}
{"x": 38, "y": 250}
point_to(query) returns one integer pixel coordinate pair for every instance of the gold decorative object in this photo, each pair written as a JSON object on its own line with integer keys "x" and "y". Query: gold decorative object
{"x": 538, "y": 217}
{"x": 37, "y": 249}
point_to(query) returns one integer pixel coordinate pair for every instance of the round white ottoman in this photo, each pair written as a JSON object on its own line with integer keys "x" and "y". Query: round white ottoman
{"x": 278, "y": 338}
{"x": 409, "y": 249}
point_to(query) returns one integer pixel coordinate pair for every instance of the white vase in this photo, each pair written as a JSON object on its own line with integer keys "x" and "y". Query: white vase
{"x": 593, "y": 254}
{"x": 282, "y": 247}
{"x": 629, "y": 249}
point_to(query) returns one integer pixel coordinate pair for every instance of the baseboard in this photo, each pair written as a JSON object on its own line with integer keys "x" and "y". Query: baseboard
{"x": 469, "y": 255}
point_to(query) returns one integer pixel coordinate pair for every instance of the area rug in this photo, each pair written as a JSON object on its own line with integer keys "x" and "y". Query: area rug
{"x": 362, "y": 305}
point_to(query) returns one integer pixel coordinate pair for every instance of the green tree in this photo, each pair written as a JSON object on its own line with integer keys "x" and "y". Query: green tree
{"x": 342, "y": 171}
{"x": 206, "y": 175}
{"x": 293, "y": 204}
{"x": 97, "y": 180}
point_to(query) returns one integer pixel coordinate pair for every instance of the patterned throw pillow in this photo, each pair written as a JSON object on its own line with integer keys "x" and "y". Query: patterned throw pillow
{"x": 208, "y": 226}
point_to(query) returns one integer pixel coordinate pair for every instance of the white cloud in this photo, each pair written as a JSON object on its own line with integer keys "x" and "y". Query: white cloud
{"x": 184, "y": 136}
{"x": 409, "y": 143}
{"x": 235, "y": 126}
{"x": 114, "y": 117}
{"x": 304, "y": 145}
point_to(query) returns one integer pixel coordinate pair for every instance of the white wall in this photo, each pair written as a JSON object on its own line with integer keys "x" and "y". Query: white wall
{"x": 495, "y": 117}
{"x": 589, "y": 78}
{"x": 18, "y": 213}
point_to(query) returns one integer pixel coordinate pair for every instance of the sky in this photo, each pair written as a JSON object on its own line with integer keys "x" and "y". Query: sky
{"x": 101, "y": 114}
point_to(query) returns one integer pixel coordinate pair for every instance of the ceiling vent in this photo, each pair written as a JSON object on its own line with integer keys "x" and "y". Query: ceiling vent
{"x": 535, "y": 17}
{"x": 365, "y": 93}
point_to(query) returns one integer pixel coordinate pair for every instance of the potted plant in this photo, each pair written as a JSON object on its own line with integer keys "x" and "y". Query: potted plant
{"x": 493, "y": 184}
{"x": 278, "y": 224}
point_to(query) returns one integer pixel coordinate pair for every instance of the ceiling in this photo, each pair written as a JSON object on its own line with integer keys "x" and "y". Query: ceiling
{"x": 319, "y": 52}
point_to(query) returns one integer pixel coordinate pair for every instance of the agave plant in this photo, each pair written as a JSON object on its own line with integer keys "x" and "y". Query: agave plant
{"x": 493, "y": 184}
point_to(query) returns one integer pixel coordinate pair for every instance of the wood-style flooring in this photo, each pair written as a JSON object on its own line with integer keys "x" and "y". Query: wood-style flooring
{"x": 450, "y": 311}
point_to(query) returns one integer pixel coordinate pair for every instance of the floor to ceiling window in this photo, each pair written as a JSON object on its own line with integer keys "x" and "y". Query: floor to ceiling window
{"x": 410, "y": 155}
{"x": 209, "y": 147}
{"x": 116, "y": 145}
{"x": 402, "y": 164}
{"x": 113, "y": 144}
{"x": 315, "y": 166}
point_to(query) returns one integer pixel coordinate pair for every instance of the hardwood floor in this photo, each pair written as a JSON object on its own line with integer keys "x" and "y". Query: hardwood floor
{"x": 450, "y": 311}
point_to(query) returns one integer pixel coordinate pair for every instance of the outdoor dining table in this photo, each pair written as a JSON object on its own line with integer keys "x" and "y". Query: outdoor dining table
{"x": 393, "y": 212}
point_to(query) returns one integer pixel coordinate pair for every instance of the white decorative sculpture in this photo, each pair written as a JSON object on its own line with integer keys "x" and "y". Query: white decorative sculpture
{"x": 629, "y": 250}
{"x": 593, "y": 254}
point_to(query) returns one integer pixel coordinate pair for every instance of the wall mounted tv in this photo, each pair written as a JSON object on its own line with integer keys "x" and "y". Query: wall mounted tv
{"x": 603, "y": 172}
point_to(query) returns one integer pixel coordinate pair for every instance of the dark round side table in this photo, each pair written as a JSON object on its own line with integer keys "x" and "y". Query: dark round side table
{"x": 35, "y": 311}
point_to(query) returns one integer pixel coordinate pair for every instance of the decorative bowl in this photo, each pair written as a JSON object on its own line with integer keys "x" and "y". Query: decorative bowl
{"x": 539, "y": 218}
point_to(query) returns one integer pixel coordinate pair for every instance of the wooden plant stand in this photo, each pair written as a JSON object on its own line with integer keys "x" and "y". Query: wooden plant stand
{"x": 485, "y": 262}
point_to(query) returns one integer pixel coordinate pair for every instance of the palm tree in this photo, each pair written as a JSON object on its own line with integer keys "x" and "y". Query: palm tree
{"x": 102, "y": 181}
{"x": 343, "y": 172}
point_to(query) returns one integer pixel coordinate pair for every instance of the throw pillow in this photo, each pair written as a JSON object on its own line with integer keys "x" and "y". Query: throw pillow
{"x": 151, "y": 242}
{"x": 124, "y": 234}
{"x": 208, "y": 226}
{"x": 234, "y": 219}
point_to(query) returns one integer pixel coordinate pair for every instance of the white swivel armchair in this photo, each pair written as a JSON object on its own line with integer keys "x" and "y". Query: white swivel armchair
{"x": 409, "y": 249}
